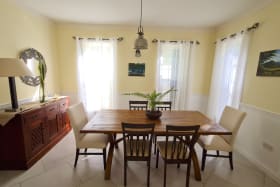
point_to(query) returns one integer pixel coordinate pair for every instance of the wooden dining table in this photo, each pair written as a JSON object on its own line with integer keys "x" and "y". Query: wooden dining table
{"x": 109, "y": 122}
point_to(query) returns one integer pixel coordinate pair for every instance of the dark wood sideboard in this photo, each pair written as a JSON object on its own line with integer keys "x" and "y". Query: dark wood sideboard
{"x": 30, "y": 134}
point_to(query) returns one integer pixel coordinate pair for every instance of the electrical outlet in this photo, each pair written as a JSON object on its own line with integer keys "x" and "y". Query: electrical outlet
{"x": 267, "y": 146}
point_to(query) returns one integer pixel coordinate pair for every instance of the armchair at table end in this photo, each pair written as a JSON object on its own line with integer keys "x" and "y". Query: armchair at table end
{"x": 78, "y": 119}
{"x": 231, "y": 120}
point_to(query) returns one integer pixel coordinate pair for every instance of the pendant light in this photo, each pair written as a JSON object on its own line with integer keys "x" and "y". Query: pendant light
{"x": 140, "y": 42}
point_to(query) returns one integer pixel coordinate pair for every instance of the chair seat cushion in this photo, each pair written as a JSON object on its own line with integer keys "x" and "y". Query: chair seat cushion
{"x": 214, "y": 142}
{"x": 137, "y": 148}
{"x": 98, "y": 141}
{"x": 171, "y": 154}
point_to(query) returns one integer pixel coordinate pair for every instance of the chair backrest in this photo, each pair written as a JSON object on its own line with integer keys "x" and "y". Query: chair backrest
{"x": 180, "y": 141}
{"x": 78, "y": 118}
{"x": 231, "y": 119}
{"x": 138, "y": 105}
{"x": 137, "y": 139}
{"x": 163, "y": 105}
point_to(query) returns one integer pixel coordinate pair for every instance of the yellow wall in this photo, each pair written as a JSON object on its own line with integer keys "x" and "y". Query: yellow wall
{"x": 262, "y": 92}
{"x": 67, "y": 54}
{"x": 21, "y": 30}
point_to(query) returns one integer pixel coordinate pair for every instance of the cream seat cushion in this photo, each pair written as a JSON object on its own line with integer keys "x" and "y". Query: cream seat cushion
{"x": 214, "y": 142}
{"x": 93, "y": 140}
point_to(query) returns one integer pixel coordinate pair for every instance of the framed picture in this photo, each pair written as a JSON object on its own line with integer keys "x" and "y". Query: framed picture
{"x": 269, "y": 63}
{"x": 136, "y": 69}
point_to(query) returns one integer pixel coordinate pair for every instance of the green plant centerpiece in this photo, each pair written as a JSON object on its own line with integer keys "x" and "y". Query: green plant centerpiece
{"x": 152, "y": 98}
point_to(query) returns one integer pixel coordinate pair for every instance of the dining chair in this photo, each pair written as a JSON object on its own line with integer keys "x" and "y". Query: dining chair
{"x": 78, "y": 119}
{"x": 231, "y": 120}
{"x": 133, "y": 105}
{"x": 137, "y": 145}
{"x": 161, "y": 106}
{"x": 138, "y": 105}
{"x": 178, "y": 147}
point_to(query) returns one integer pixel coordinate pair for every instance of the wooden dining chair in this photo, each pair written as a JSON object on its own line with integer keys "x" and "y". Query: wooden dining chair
{"x": 231, "y": 120}
{"x": 161, "y": 106}
{"x": 138, "y": 105}
{"x": 178, "y": 147}
{"x": 78, "y": 119}
{"x": 137, "y": 145}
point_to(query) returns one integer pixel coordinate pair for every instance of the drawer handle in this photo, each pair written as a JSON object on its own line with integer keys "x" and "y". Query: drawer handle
{"x": 35, "y": 116}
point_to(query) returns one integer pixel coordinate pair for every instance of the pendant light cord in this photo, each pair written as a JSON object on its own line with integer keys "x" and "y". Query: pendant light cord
{"x": 141, "y": 15}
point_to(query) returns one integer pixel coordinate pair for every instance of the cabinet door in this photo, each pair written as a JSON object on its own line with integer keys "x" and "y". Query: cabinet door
{"x": 52, "y": 120}
{"x": 35, "y": 131}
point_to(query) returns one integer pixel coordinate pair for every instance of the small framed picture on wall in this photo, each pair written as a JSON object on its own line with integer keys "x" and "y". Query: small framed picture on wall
{"x": 269, "y": 63}
{"x": 136, "y": 69}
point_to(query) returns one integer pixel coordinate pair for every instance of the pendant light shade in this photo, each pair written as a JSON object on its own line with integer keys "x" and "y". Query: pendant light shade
{"x": 140, "y": 42}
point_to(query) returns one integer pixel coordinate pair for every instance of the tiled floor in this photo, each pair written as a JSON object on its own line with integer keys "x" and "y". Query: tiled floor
{"x": 55, "y": 169}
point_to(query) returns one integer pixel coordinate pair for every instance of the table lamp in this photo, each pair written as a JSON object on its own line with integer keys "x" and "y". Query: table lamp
{"x": 11, "y": 67}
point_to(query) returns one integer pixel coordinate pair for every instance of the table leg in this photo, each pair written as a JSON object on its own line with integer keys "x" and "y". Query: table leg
{"x": 196, "y": 167}
{"x": 109, "y": 158}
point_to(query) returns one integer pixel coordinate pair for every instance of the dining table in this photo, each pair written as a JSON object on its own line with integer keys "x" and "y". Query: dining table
{"x": 109, "y": 122}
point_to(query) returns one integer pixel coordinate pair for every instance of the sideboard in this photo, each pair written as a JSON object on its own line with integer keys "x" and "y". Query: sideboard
{"x": 30, "y": 134}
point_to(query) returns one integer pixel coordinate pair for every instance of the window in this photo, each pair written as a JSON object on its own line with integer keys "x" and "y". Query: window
{"x": 173, "y": 71}
{"x": 96, "y": 73}
{"x": 228, "y": 74}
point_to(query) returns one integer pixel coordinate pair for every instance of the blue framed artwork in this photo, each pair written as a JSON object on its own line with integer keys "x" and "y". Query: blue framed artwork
{"x": 269, "y": 63}
{"x": 136, "y": 69}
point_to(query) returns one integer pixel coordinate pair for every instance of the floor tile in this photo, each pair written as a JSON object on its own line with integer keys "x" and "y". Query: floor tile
{"x": 56, "y": 169}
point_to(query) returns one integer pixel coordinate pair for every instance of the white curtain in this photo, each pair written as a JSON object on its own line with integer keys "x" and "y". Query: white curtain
{"x": 174, "y": 71}
{"x": 96, "y": 65}
{"x": 228, "y": 74}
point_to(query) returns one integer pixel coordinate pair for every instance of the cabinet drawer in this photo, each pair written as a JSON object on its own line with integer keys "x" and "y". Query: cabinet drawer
{"x": 34, "y": 115}
{"x": 52, "y": 110}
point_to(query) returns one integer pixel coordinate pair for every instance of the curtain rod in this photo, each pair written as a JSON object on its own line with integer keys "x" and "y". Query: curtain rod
{"x": 119, "y": 38}
{"x": 253, "y": 27}
{"x": 173, "y": 41}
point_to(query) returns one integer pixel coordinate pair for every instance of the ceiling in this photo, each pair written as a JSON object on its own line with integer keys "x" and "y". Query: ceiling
{"x": 167, "y": 13}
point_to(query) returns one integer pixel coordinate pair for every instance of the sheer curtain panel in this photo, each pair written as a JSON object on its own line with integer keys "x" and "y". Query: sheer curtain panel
{"x": 96, "y": 63}
{"x": 174, "y": 71}
{"x": 228, "y": 73}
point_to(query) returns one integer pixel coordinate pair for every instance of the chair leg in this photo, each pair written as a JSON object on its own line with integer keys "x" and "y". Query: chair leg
{"x": 148, "y": 175}
{"x": 125, "y": 167}
{"x": 85, "y": 150}
{"x": 164, "y": 177}
{"x": 204, "y": 152}
{"x": 157, "y": 159}
{"x": 77, "y": 156}
{"x": 104, "y": 158}
{"x": 188, "y": 174}
{"x": 230, "y": 160}
{"x": 155, "y": 144}
{"x": 115, "y": 138}
{"x": 218, "y": 153}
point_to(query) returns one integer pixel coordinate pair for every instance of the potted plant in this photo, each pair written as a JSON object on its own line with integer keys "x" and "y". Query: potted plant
{"x": 153, "y": 98}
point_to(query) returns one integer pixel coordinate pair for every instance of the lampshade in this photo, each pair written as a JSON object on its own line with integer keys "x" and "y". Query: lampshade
{"x": 141, "y": 42}
{"x": 11, "y": 67}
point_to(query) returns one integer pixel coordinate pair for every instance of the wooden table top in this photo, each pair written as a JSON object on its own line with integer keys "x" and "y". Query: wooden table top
{"x": 109, "y": 121}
